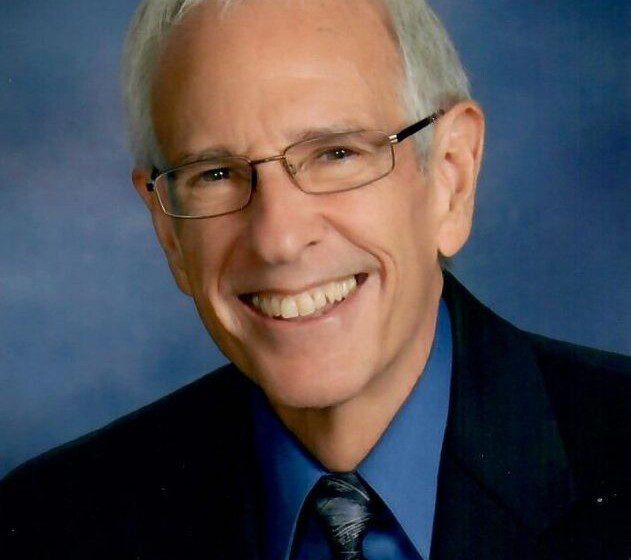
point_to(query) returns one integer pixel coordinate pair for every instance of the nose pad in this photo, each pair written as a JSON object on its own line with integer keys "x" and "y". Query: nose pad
{"x": 290, "y": 167}
{"x": 255, "y": 179}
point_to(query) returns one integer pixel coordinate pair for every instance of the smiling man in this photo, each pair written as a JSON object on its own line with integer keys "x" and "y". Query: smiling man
{"x": 308, "y": 165}
{"x": 331, "y": 226}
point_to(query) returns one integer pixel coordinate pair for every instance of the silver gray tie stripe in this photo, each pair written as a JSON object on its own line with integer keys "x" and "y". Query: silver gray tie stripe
{"x": 343, "y": 505}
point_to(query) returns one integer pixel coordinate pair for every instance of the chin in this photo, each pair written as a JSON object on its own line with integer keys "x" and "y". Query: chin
{"x": 309, "y": 386}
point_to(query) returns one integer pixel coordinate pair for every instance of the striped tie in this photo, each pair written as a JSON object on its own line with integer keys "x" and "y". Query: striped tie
{"x": 342, "y": 503}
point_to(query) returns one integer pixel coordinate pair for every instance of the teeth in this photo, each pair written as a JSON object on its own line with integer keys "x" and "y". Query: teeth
{"x": 305, "y": 303}
{"x": 275, "y": 306}
{"x": 288, "y": 308}
{"x": 351, "y": 284}
{"x": 332, "y": 292}
{"x": 346, "y": 288}
{"x": 266, "y": 306}
{"x": 319, "y": 299}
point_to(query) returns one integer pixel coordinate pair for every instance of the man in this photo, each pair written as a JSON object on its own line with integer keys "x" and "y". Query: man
{"x": 308, "y": 165}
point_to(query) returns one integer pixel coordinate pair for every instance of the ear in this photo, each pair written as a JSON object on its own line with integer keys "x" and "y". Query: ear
{"x": 165, "y": 229}
{"x": 455, "y": 163}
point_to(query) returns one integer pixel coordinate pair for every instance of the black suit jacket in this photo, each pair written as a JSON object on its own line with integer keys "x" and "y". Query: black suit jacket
{"x": 535, "y": 463}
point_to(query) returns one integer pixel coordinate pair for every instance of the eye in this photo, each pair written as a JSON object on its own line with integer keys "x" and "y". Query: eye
{"x": 337, "y": 153}
{"x": 216, "y": 174}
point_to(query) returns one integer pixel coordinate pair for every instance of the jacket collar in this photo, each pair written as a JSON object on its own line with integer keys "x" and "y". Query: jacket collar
{"x": 504, "y": 473}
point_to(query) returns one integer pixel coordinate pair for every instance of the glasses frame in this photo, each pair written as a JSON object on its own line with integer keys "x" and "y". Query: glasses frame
{"x": 393, "y": 139}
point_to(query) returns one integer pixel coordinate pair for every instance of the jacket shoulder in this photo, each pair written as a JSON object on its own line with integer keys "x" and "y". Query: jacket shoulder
{"x": 579, "y": 376}
{"x": 151, "y": 427}
{"x": 583, "y": 360}
{"x": 590, "y": 392}
{"x": 114, "y": 480}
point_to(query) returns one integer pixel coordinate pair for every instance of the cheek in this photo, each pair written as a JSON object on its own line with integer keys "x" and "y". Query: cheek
{"x": 207, "y": 248}
{"x": 400, "y": 215}
{"x": 200, "y": 257}
{"x": 418, "y": 215}
{"x": 405, "y": 230}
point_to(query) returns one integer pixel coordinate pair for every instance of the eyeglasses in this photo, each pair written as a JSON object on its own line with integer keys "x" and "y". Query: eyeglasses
{"x": 327, "y": 164}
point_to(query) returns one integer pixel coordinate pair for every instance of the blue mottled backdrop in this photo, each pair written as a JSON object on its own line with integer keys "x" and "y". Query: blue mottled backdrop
{"x": 91, "y": 324}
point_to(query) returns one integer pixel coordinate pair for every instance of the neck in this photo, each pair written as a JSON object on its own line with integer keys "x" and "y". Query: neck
{"x": 341, "y": 436}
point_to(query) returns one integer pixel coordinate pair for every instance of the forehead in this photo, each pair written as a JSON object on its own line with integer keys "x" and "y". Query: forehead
{"x": 293, "y": 63}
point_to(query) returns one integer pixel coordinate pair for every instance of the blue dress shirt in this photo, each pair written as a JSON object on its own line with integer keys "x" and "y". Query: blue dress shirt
{"x": 402, "y": 469}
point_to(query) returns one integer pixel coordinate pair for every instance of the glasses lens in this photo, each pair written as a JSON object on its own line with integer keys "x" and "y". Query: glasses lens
{"x": 206, "y": 188}
{"x": 340, "y": 162}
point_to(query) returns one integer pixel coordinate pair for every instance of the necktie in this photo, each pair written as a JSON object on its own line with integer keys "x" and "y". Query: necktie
{"x": 342, "y": 503}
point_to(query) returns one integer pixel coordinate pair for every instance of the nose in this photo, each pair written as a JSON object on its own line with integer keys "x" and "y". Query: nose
{"x": 284, "y": 221}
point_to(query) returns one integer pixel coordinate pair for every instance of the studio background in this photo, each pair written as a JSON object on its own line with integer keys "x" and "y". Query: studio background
{"x": 91, "y": 323}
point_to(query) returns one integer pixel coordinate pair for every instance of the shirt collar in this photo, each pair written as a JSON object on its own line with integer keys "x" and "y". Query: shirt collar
{"x": 402, "y": 468}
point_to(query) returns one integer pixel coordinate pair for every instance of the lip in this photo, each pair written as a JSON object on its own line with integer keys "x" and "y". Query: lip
{"x": 359, "y": 276}
{"x": 328, "y": 313}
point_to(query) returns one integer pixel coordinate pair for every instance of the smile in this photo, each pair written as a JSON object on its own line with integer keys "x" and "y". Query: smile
{"x": 313, "y": 302}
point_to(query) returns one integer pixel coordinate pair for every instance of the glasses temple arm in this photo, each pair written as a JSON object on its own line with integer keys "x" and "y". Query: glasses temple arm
{"x": 416, "y": 127}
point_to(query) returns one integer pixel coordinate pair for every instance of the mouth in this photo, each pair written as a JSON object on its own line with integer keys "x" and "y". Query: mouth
{"x": 314, "y": 302}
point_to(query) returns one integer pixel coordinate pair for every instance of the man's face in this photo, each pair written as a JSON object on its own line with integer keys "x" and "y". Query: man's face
{"x": 262, "y": 77}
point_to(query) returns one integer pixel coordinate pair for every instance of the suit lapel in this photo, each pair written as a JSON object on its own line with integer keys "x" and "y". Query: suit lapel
{"x": 504, "y": 475}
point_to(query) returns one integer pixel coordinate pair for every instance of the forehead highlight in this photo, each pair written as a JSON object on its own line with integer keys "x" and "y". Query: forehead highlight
{"x": 210, "y": 47}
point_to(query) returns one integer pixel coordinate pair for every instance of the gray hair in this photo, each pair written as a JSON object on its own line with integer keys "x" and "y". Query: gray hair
{"x": 434, "y": 77}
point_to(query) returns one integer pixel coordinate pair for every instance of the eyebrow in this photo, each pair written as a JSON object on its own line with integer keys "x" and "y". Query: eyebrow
{"x": 314, "y": 132}
{"x": 207, "y": 153}
{"x": 297, "y": 136}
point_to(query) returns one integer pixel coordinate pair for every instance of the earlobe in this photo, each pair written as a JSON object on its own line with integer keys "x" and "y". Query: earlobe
{"x": 455, "y": 163}
{"x": 165, "y": 230}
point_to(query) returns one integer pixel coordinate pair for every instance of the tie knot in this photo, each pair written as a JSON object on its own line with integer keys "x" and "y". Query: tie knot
{"x": 342, "y": 502}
